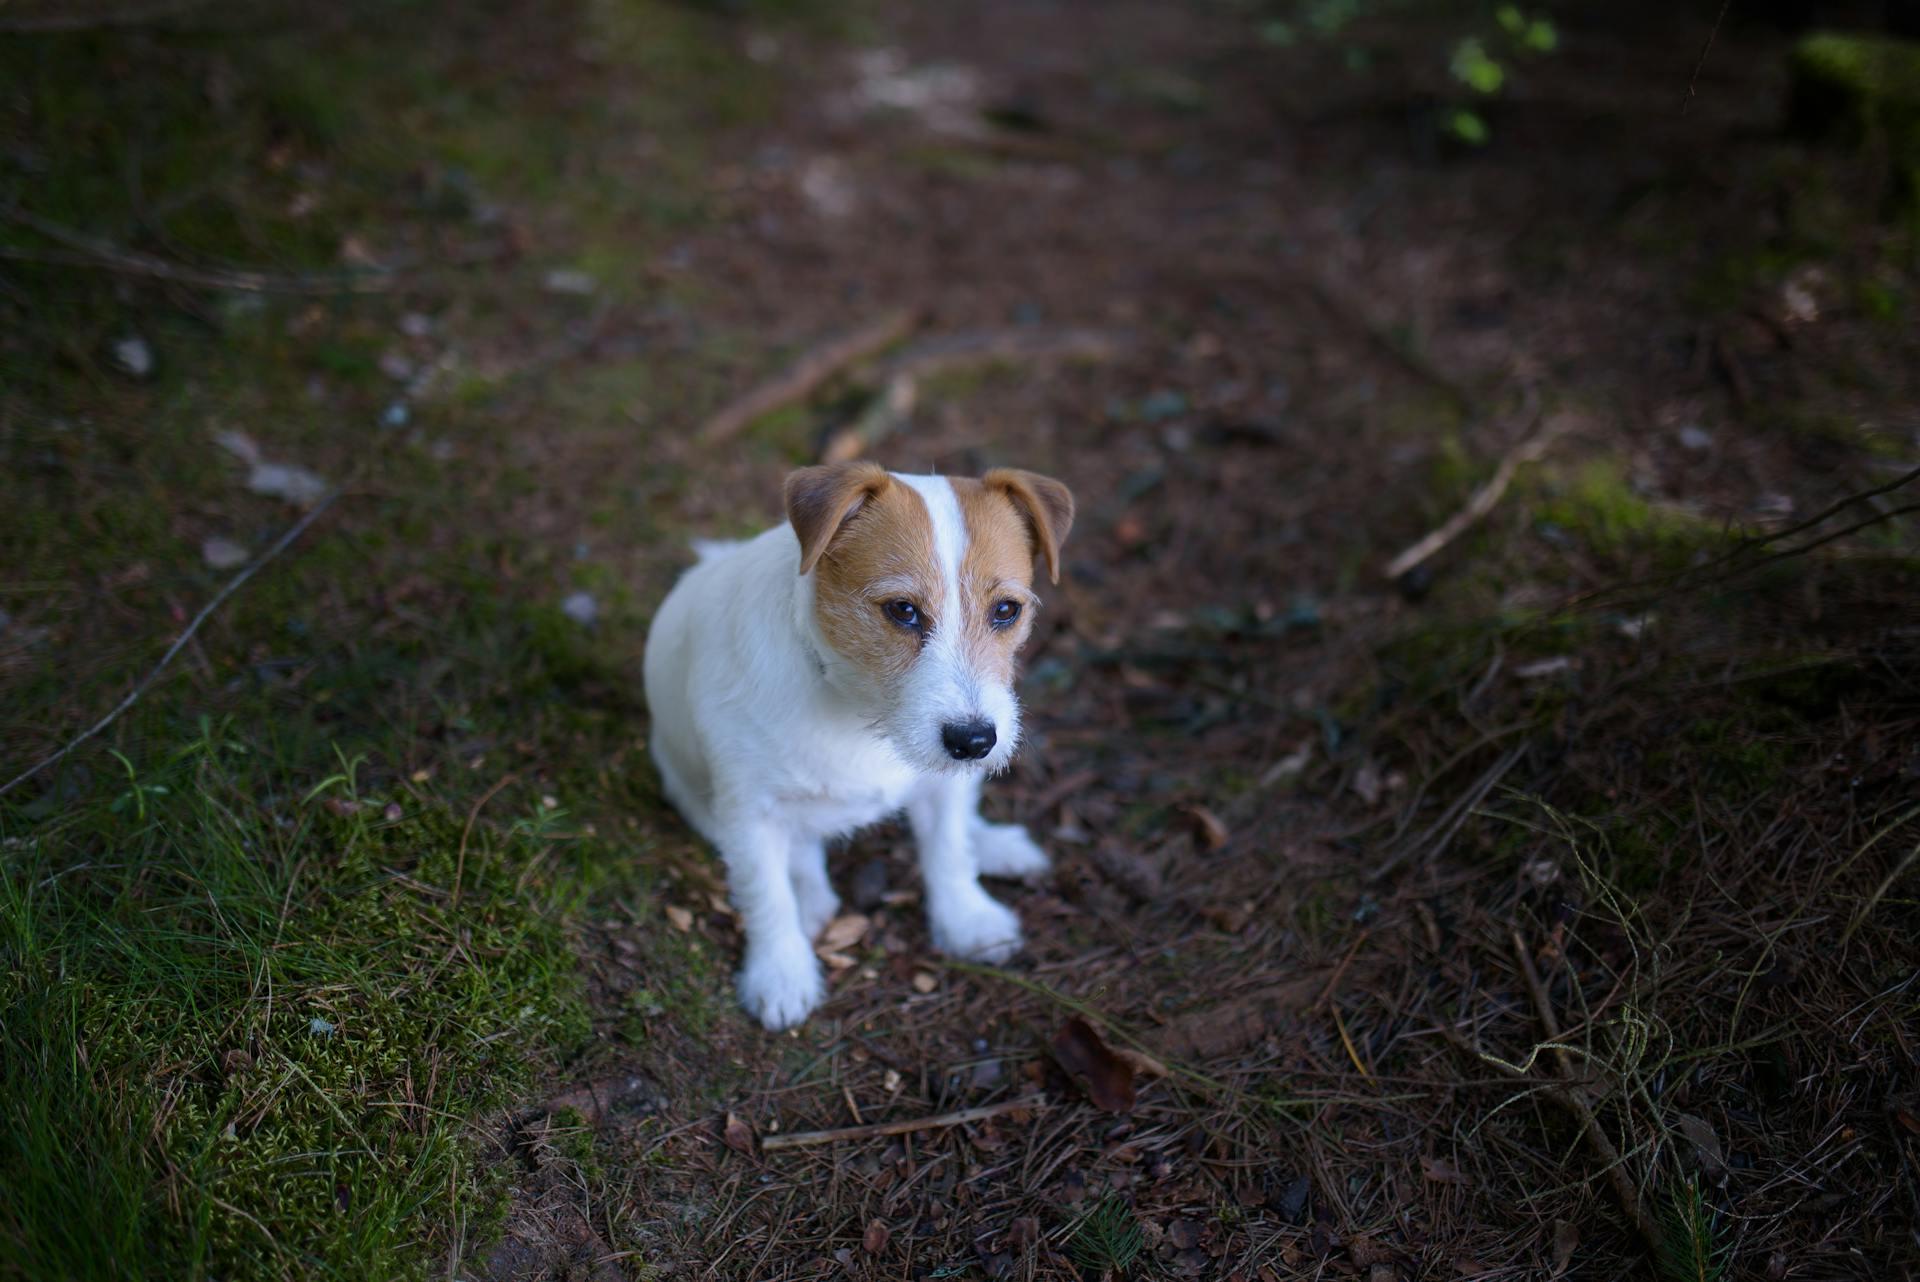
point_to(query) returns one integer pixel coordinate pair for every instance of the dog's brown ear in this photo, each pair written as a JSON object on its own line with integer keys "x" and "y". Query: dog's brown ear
{"x": 1047, "y": 506}
{"x": 820, "y": 499}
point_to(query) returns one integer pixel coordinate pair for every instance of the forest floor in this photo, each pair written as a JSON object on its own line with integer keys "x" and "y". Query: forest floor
{"x": 1546, "y": 911}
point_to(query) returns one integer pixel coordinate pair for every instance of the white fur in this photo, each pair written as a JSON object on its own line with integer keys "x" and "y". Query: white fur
{"x": 771, "y": 745}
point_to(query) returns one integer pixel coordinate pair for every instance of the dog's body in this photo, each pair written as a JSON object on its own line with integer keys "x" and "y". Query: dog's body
{"x": 852, "y": 663}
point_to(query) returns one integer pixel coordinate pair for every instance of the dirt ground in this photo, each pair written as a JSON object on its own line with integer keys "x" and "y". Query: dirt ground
{"x": 1543, "y": 912}
{"x": 1272, "y": 876}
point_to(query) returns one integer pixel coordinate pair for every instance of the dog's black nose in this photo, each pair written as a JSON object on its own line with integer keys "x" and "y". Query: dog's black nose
{"x": 968, "y": 740}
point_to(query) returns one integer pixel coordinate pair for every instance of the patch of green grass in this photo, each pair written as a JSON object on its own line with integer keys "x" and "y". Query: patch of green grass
{"x": 244, "y": 1021}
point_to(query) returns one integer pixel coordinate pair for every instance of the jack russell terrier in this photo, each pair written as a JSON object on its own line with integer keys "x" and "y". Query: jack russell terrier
{"x": 851, "y": 663}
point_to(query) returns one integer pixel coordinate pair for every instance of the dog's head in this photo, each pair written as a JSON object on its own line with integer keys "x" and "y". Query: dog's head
{"x": 923, "y": 592}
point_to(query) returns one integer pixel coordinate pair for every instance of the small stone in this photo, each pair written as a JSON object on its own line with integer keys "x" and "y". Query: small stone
{"x": 396, "y": 365}
{"x": 581, "y": 608}
{"x": 416, "y": 325}
{"x": 395, "y": 415}
{"x": 223, "y": 554}
{"x": 134, "y": 355}
{"x": 1695, "y": 439}
{"x": 924, "y": 982}
{"x": 567, "y": 280}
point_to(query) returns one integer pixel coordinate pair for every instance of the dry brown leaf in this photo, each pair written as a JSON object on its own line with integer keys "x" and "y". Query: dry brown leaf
{"x": 843, "y": 932}
{"x": 1566, "y": 1236}
{"x": 1083, "y": 1054}
{"x": 682, "y": 918}
{"x": 737, "y": 1135}
{"x": 1440, "y": 1171}
{"x": 1140, "y": 1062}
{"x": 876, "y": 1238}
{"x": 1213, "y": 833}
{"x": 838, "y": 961}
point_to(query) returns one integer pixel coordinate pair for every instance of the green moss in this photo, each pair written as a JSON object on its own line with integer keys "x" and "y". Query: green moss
{"x": 1594, "y": 503}
{"x": 1864, "y": 89}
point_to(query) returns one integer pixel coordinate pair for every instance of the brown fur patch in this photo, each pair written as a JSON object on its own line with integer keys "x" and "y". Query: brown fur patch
{"x": 888, "y": 541}
{"x": 996, "y": 566}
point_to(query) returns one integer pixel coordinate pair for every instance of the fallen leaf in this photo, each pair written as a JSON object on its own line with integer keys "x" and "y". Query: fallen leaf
{"x": 1440, "y": 1171}
{"x": 738, "y": 1136}
{"x": 843, "y": 932}
{"x": 1706, "y": 1144}
{"x": 1566, "y": 1236}
{"x": 836, "y": 961}
{"x": 1140, "y": 1062}
{"x": 681, "y": 918}
{"x": 1184, "y": 1234}
{"x": 1081, "y": 1052}
{"x": 876, "y": 1237}
{"x": 1213, "y": 833}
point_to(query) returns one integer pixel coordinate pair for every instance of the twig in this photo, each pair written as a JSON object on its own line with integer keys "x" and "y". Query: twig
{"x": 1705, "y": 49}
{"x": 90, "y": 251}
{"x": 874, "y": 1130}
{"x": 1570, "y": 1098}
{"x": 280, "y": 545}
{"x": 1529, "y": 450}
{"x": 813, "y": 368}
{"x": 887, "y": 413}
{"x": 460, "y": 862}
{"x": 900, "y": 377}
{"x": 1708, "y": 572}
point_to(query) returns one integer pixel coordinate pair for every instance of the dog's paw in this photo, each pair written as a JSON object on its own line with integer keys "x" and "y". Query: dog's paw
{"x": 818, "y": 906}
{"x": 1005, "y": 850}
{"x": 780, "y": 986}
{"x": 979, "y": 929}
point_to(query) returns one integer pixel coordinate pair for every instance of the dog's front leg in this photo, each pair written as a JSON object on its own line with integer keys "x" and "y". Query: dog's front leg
{"x": 779, "y": 983}
{"x": 964, "y": 919}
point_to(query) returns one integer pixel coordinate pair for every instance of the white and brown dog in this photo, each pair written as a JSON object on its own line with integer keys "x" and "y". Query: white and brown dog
{"x": 853, "y": 662}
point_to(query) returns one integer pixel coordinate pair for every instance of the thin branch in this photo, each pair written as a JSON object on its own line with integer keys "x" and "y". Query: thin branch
{"x": 874, "y": 1130}
{"x": 814, "y": 367}
{"x": 234, "y": 584}
{"x": 1705, "y": 49}
{"x": 82, "y": 250}
{"x": 1531, "y": 447}
{"x": 1572, "y": 1098}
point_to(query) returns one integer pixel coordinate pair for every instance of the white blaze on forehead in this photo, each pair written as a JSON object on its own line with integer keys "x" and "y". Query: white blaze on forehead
{"x": 949, "y": 546}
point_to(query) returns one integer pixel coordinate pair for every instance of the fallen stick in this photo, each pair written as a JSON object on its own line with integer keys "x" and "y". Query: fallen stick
{"x": 874, "y": 1130}
{"x": 899, "y": 377}
{"x": 91, "y": 252}
{"x": 1529, "y": 450}
{"x": 179, "y": 643}
{"x": 813, "y": 368}
{"x": 1570, "y": 1097}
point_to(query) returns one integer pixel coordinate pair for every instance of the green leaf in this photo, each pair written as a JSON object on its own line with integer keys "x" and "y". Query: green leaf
{"x": 1510, "y": 19}
{"x": 1541, "y": 36}
{"x": 1473, "y": 67}
{"x": 1468, "y": 127}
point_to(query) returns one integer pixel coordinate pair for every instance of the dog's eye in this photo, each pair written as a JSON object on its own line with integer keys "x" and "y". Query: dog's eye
{"x": 1005, "y": 612}
{"x": 904, "y": 613}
